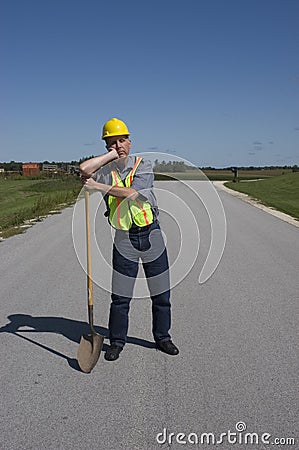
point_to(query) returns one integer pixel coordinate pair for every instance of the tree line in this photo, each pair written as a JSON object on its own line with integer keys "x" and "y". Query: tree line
{"x": 170, "y": 166}
{"x": 16, "y": 166}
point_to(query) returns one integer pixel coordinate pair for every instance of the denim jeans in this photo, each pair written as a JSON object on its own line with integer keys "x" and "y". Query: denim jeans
{"x": 129, "y": 247}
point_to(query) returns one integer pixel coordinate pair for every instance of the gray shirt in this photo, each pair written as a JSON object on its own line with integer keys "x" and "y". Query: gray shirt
{"x": 143, "y": 179}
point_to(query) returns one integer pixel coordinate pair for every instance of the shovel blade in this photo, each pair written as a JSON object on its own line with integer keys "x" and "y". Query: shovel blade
{"x": 89, "y": 351}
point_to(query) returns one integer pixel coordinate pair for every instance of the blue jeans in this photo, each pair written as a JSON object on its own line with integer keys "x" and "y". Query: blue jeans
{"x": 129, "y": 247}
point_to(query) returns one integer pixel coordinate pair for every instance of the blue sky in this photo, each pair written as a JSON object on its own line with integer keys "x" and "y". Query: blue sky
{"x": 213, "y": 81}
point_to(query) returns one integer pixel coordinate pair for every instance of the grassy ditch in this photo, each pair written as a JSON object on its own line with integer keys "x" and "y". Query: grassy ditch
{"x": 280, "y": 192}
{"x": 24, "y": 198}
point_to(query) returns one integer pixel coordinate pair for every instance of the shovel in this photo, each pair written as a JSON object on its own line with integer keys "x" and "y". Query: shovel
{"x": 91, "y": 344}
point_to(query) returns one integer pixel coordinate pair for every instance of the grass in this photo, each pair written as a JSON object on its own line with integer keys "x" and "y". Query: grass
{"x": 280, "y": 192}
{"x": 25, "y": 198}
{"x": 221, "y": 175}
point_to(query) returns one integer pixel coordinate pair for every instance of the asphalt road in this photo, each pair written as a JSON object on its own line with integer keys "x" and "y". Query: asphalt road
{"x": 237, "y": 334}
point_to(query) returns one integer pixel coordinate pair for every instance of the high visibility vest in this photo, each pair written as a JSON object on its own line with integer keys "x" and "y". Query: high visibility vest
{"x": 124, "y": 212}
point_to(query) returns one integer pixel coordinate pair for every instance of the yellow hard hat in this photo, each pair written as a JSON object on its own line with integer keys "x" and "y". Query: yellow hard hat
{"x": 114, "y": 127}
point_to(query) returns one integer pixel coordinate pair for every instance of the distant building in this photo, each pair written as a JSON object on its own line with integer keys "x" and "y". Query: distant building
{"x": 30, "y": 169}
{"x": 50, "y": 167}
{"x": 2, "y": 170}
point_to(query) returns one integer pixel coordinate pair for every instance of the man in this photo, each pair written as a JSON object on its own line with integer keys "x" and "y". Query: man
{"x": 126, "y": 182}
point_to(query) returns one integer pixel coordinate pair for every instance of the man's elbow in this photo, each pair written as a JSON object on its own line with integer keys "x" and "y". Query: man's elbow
{"x": 84, "y": 169}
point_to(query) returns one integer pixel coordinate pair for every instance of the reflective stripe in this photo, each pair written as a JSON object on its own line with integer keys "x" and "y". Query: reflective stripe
{"x": 138, "y": 161}
{"x": 114, "y": 175}
{"x": 131, "y": 174}
{"x": 118, "y": 213}
{"x": 143, "y": 210}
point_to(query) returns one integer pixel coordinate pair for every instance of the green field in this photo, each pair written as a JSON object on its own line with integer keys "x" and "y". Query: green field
{"x": 25, "y": 198}
{"x": 221, "y": 174}
{"x": 280, "y": 192}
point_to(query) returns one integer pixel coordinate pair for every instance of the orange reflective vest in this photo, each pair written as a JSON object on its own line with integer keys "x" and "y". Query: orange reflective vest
{"x": 124, "y": 212}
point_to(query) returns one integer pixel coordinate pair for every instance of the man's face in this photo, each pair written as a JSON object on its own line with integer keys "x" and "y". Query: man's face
{"x": 121, "y": 144}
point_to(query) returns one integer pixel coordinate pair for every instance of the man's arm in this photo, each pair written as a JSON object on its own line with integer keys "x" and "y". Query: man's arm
{"x": 87, "y": 168}
{"x": 115, "y": 191}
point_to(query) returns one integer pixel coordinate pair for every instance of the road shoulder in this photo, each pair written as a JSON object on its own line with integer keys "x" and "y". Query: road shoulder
{"x": 246, "y": 198}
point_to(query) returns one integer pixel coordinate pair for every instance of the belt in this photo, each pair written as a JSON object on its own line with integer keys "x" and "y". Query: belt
{"x": 135, "y": 229}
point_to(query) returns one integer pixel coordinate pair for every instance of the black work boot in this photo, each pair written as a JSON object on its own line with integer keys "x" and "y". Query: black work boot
{"x": 113, "y": 352}
{"x": 168, "y": 347}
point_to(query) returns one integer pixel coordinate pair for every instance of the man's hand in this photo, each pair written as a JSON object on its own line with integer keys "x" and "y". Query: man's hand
{"x": 112, "y": 153}
{"x": 90, "y": 183}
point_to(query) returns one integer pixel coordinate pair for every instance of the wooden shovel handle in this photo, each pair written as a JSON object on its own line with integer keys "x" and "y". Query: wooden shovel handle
{"x": 89, "y": 273}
